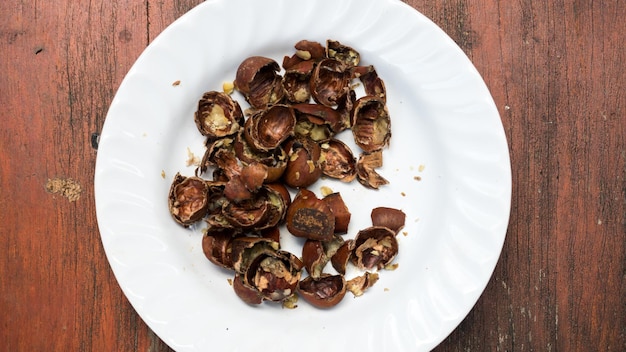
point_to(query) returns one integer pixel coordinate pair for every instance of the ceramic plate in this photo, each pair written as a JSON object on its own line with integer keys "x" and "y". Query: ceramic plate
{"x": 448, "y": 167}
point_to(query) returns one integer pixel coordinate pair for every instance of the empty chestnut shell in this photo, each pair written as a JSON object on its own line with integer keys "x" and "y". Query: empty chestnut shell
{"x": 216, "y": 246}
{"x": 366, "y": 169}
{"x": 342, "y": 256}
{"x": 345, "y": 54}
{"x": 296, "y": 82}
{"x": 310, "y": 217}
{"x": 372, "y": 84}
{"x": 258, "y": 80}
{"x": 340, "y": 211}
{"x": 218, "y": 115}
{"x": 323, "y": 292}
{"x": 303, "y": 167}
{"x": 275, "y": 160}
{"x": 371, "y": 126}
{"x": 246, "y": 292}
{"x": 374, "y": 247}
{"x": 390, "y": 218}
{"x": 267, "y": 129}
{"x": 316, "y": 254}
{"x": 337, "y": 160}
{"x": 274, "y": 274}
{"x": 329, "y": 82}
{"x": 188, "y": 199}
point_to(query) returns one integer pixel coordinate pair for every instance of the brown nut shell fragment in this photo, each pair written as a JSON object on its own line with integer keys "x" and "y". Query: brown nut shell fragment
{"x": 366, "y": 169}
{"x": 390, "y": 218}
{"x": 275, "y": 160}
{"x": 188, "y": 199}
{"x": 303, "y": 167}
{"x": 343, "y": 53}
{"x": 246, "y": 292}
{"x": 245, "y": 249}
{"x": 274, "y": 274}
{"x": 296, "y": 82}
{"x": 218, "y": 115}
{"x": 330, "y": 81}
{"x": 337, "y": 160}
{"x": 267, "y": 129}
{"x": 314, "y": 257}
{"x": 374, "y": 247}
{"x": 310, "y": 217}
{"x": 323, "y": 292}
{"x": 340, "y": 210}
{"x": 258, "y": 80}
{"x": 342, "y": 256}
{"x": 372, "y": 84}
{"x": 371, "y": 125}
{"x": 216, "y": 246}
{"x": 320, "y": 115}
{"x": 360, "y": 284}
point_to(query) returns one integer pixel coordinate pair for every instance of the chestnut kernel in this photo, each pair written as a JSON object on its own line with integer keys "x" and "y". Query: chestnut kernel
{"x": 310, "y": 217}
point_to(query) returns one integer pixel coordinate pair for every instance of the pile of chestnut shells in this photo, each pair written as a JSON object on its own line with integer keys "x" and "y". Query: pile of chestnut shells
{"x": 286, "y": 140}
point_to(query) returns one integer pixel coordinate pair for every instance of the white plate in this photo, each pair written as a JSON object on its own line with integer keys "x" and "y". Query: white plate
{"x": 446, "y": 130}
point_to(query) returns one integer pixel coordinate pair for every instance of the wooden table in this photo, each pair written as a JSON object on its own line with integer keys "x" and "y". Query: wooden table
{"x": 556, "y": 70}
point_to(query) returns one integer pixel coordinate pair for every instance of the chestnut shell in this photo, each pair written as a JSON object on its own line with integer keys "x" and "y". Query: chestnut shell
{"x": 218, "y": 115}
{"x": 188, "y": 199}
{"x": 258, "y": 80}
{"x": 374, "y": 247}
{"x": 310, "y": 217}
{"x": 323, "y": 292}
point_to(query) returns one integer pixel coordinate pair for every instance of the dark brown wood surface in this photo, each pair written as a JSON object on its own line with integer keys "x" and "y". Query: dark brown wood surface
{"x": 556, "y": 70}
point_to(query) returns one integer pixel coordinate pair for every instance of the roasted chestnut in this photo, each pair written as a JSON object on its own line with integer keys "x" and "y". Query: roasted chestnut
{"x": 371, "y": 125}
{"x": 337, "y": 160}
{"x": 258, "y": 80}
{"x": 310, "y": 217}
{"x": 323, "y": 292}
{"x": 366, "y": 169}
{"x": 390, "y": 218}
{"x": 218, "y": 115}
{"x": 188, "y": 201}
{"x": 374, "y": 247}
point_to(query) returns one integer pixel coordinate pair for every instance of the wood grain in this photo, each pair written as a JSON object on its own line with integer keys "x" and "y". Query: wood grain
{"x": 556, "y": 73}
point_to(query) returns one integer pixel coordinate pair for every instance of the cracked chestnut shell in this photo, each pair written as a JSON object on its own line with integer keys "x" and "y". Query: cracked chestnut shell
{"x": 188, "y": 199}
{"x": 366, "y": 169}
{"x": 323, "y": 292}
{"x": 267, "y": 129}
{"x": 296, "y": 82}
{"x": 310, "y": 217}
{"x": 218, "y": 115}
{"x": 303, "y": 167}
{"x": 258, "y": 80}
{"x": 265, "y": 209}
{"x": 216, "y": 246}
{"x": 371, "y": 125}
{"x": 372, "y": 84}
{"x": 340, "y": 210}
{"x": 360, "y": 284}
{"x": 374, "y": 247}
{"x": 390, "y": 218}
{"x": 342, "y": 256}
{"x": 316, "y": 254}
{"x": 275, "y": 160}
{"x": 274, "y": 274}
{"x": 330, "y": 81}
{"x": 343, "y": 53}
{"x": 337, "y": 160}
